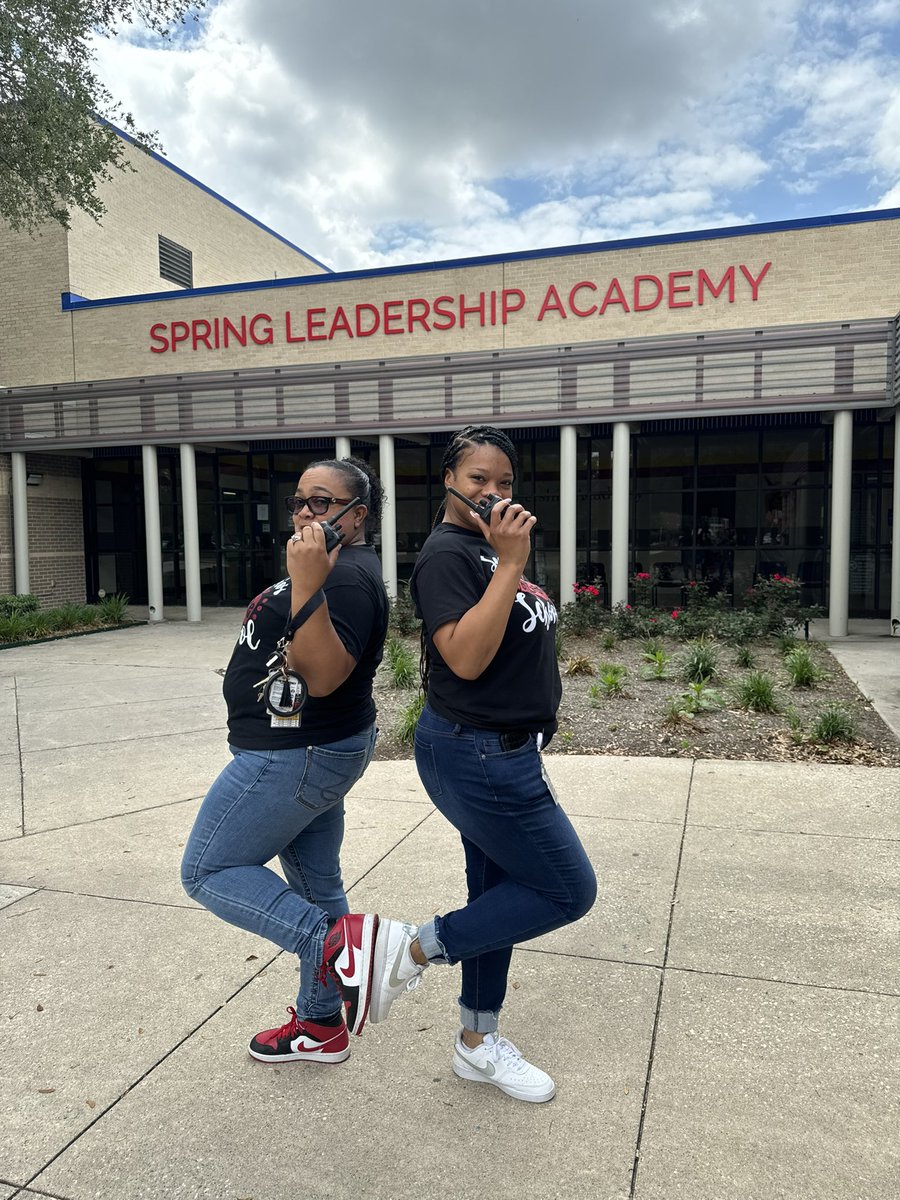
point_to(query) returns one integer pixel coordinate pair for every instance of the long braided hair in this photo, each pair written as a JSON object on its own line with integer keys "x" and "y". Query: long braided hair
{"x": 461, "y": 443}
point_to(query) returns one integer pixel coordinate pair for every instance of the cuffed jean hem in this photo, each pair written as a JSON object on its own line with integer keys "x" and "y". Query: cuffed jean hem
{"x": 469, "y": 1018}
{"x": 432, "y": 947}
{"x": 478, "y": 1022}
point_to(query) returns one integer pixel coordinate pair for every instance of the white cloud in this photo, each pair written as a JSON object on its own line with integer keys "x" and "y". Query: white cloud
{"x": 418, "y": 130}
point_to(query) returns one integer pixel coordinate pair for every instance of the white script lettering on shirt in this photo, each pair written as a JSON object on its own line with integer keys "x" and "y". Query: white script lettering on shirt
{"x": 542, "y": 611}
{"x": 281, "y": 586}
{"x": 493, "y": 560}
{"x": 248, "y": 629}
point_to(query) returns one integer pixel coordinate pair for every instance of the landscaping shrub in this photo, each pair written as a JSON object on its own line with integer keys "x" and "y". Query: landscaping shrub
{"x": 610, "y": 681}
{"x": 757, "y": 692}
{"x": 409, "y": 718}
{"x": 834, "y": 723}
{"x": 402, "y": 618}
{"x": 744, "y": 657}
{"x": 32, "y": 623}
{"x": 699, "y": 697}
{"x": 113, "y": 608}
{"x": 802, "y": 668}
{"x": 402, "y": 665}
{"x": 699, "y": 662}
{"x": 776, "y": 602}
{"x": 658, "y": 664}
{"x": 579, "y": 665}
{"x": 18, "y": 605}
{"x": 69, "y": 616}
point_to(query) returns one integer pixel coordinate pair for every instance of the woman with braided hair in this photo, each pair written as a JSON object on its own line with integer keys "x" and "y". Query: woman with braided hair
{"x": 492, "y": 690}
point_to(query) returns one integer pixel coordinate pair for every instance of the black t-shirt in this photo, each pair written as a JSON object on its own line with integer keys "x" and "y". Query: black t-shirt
{"x": 358, "y": 607}
{"x": 520, "y": 688}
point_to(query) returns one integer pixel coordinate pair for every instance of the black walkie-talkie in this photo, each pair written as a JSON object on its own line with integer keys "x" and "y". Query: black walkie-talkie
{"x": 333, "y": 536}
{"x": 484, "y": 509}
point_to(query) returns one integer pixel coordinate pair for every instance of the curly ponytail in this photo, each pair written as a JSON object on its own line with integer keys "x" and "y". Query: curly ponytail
{"x": 360, "y": 481}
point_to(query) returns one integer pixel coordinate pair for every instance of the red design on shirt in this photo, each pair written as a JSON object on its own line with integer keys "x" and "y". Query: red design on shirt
{"x": 526, "y": 585}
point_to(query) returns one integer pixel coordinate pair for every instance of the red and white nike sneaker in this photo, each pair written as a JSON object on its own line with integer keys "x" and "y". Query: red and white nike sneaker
{"x": 302, "y": 1041}
{"x": 349, "y": 956}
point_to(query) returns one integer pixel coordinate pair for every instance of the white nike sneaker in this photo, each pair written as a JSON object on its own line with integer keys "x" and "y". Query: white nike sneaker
{"x": 499, "y": 1062}
{"x": 395, "y": 971}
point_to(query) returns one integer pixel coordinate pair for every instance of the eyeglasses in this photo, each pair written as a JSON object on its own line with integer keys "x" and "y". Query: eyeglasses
{"x": 317, "y": 505}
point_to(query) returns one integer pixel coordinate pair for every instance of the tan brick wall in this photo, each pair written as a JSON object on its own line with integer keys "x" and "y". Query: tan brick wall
{"x": 822, "y": 274}
{"x": 121, "y": 255}
{"x": 55, "y": 530}
{"x": 35, "y": 335}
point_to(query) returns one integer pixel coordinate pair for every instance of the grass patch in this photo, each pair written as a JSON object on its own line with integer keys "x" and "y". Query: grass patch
{"x": 834, "y": 723}
{"x": 802, "y": 668}
{"x": 409, "y": 719}
{"x": 699, "y": 662}
{"x": 756, "y": 692}
{"x": 402, "y": 666}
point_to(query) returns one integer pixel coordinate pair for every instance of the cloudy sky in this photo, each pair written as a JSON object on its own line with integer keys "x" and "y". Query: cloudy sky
{"x": 413, "y": 130}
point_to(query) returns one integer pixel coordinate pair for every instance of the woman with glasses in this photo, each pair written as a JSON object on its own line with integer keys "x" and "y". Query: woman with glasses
{"x": 282, "y": 793}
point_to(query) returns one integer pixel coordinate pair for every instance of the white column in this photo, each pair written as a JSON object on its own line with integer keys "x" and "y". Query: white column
{"x": 389, "y": 513}
{"x": 568, "y": 496}
{"x": 341, "y": 446}
{"x": 152, "y": 532}
{"x": 895, "y": 532}
{"x": 20, "y": 523}
{"x": 839, "y": 550}
{"x": 190, "y": 528}
{"x": 621, "y": 472}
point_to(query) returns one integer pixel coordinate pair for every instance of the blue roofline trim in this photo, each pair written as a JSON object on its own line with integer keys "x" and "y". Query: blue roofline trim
{"x": 215, "y": 195}
{"x": 661, "y": 239}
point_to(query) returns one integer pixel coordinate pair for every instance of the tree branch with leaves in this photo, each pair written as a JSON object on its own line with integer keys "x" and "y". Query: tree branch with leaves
{"x": 57, "y": 142}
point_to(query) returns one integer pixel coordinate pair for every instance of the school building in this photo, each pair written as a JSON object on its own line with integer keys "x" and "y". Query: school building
{"x": 716, "y": 405}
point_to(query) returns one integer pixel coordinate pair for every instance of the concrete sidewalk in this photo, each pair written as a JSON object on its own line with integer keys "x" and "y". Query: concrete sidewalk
{"x": 722, "y": 1026}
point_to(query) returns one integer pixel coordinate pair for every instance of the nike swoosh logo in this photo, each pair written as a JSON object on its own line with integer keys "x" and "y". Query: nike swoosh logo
{"x": 489, "y": 1070}
{"x": 347, "y": 964}
{"x": 305, "y": 1043}
{"x": 393, "y": 980}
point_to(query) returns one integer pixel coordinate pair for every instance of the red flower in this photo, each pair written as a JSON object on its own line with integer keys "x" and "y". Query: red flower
{"x": 675, "y": 613}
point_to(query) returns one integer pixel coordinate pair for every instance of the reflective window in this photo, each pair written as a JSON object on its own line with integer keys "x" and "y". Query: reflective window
{"x": 729, "y": 459}
{"x": 663, "y": 462}
{"x": 791, "y": 457}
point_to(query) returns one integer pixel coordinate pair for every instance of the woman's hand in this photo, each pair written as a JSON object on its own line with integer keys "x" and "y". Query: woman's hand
{"x": 308, "y": 562}
{"x": 509, "y": 532}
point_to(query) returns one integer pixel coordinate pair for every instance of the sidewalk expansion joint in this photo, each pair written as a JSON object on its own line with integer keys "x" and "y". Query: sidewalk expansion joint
{"x": 168, "y": 1054}
{"x": 142, "y": 738}
{"x": 662, "y": 983}
{"x": 120, "y": 899}
{"x": 19, "y": 752}
{"x": 391, "y": 850}
{"x": 846, "y": 837}
{"x": 794, "y": 983}
{"x": 132, "y": 812}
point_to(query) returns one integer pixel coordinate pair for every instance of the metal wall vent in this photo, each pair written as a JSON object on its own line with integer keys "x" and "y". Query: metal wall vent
{"x": 175, "y": 262}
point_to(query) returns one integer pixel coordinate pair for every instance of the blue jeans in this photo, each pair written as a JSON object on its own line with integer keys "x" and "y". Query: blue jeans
{"x": 288, "y": 803}
{"x": 526, "y": 870}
